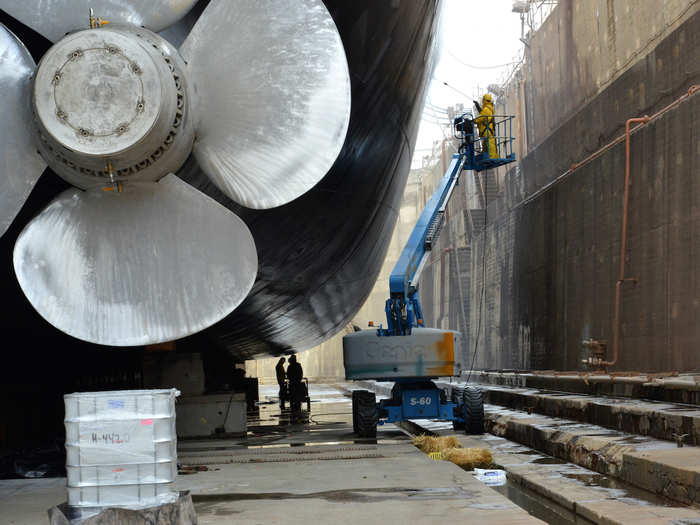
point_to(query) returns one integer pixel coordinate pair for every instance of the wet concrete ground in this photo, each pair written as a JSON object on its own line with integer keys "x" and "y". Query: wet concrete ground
{"x": 559, "y": 491}
{"x": 314, "y": 470}
{"x": 306, "y": 471}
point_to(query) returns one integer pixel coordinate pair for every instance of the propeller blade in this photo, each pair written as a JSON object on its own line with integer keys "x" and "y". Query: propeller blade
{"x": 20, "y": 164}
{"x": 272, "y": 95}
{"x": 154, "y": 263}
{"x": 177, "y": 33}
{"x": 55, "y": 18}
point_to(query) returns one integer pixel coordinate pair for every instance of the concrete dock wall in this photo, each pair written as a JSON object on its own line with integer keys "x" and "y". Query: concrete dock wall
{"x": 581, "y": 49}
{"x": 321, "y": 363}
{"x": 547, "y": 268}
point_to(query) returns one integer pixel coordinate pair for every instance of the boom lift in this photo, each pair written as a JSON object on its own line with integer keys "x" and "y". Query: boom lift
{"x": 405, "y": 351}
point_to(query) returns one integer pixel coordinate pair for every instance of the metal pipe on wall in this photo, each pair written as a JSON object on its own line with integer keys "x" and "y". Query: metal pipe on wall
{"x": 576, "y": 165}
{"x": 623, "y": 238}
{"x": 640, "y": 121}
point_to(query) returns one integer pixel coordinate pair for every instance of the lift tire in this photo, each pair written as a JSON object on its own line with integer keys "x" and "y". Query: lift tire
{"x": 366, "y": 403}
{"x": 456, "y": 397}
{"x": 473, "y": 410}
{"x": 354, "y": 411}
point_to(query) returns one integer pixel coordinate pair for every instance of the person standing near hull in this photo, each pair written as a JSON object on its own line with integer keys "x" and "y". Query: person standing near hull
{"x": 281, "y": 376}
{"x": 295, "y": 374}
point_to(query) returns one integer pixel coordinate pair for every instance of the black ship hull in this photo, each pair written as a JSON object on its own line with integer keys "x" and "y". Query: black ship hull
{"x": 319, "y": 256}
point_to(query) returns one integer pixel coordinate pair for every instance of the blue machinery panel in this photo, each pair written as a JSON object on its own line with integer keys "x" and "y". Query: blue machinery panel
{"x": 416, "y": 403}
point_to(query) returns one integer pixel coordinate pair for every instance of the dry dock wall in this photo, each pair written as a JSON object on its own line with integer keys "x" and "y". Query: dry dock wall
{"x": 548, "y": 267}
{"x": 584, "y": 46}
{"x": 321, "y": 363}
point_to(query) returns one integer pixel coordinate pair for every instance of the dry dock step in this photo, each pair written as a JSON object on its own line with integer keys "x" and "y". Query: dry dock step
{"x": 667, "y": 387}
{"x": 568, "y": 492}
{"x": 651, "y": 464}
{"x": 657, "y": 419}
{"x": 655, "y": 465}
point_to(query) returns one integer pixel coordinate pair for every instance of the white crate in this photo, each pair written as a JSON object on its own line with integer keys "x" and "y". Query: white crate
{"x": 133, "y": 496}
{"x": 121, "y": 448}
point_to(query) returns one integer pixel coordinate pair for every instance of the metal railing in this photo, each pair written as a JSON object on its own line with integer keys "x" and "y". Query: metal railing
{"x": 499, "y": 129}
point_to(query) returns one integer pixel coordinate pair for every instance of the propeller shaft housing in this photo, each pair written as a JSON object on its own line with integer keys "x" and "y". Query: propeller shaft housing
{"x": 111, "y": 105}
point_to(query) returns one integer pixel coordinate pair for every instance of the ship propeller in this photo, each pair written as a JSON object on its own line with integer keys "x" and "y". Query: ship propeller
{"x": 259, "y": 93}
{"x": 273, "y": 97}
{"x": 20, "y": 166}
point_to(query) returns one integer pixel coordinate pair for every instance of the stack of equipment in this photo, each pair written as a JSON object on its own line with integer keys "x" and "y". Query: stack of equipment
{"x": 121, "y": 448}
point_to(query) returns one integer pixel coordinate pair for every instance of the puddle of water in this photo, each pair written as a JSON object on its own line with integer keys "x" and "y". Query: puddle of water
{"x": 329, "y": 422}
{"x": 278, "y": 445}
{"x": 549, "y": 461}
{"x": 594, "y": 480}
{"x": 348, "y": 495}
{"x": 538, "y": 506}
{"x": 619, "y": 490}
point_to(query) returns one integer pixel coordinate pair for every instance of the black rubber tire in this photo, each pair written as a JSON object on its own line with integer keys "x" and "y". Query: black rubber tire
{"x": 473, "y": 410}
{"x": 366, "y": 403}
{"x": 456, "y": 397}
{"x": 354, "y": 411}
{"x": 458, "y": 425}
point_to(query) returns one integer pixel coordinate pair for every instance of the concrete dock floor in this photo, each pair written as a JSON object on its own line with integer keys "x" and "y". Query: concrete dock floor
{"x": 308, "y": 471}
{"x": 317, "y": 471}
{"x": 314, "y": 470}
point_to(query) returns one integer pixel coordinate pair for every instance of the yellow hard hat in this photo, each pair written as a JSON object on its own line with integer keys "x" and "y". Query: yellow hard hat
{"x": 487, "y": 98}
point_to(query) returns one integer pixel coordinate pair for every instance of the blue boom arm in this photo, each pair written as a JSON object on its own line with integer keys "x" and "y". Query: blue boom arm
{"x": 403, "y": 310}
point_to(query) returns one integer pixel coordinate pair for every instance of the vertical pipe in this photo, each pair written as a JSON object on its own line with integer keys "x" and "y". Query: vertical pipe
{"x": 623, "y": 238}
{"x": 641, "y": 121}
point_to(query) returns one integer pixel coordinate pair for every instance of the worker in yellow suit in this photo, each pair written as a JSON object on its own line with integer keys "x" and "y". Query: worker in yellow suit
{"x": 487, "y": 127}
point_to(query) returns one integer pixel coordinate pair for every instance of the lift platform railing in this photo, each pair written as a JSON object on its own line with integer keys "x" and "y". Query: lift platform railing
{"x": 493, "y": 149}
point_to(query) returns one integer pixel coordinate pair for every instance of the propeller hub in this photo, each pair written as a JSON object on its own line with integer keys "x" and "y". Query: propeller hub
{"x": 100, "y": 92}
{"x": 112, "y": 104}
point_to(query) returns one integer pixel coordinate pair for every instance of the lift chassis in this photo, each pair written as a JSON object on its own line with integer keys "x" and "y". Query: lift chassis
{"x": 418, "y": 398}
{"x": 405, "y": 351}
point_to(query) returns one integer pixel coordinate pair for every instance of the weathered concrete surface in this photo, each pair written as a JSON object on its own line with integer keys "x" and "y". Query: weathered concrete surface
{"x": 681, "y": 388}
{"x": 587, "y": 44}
{"x": 310, "y": 471}
{"x": 317, "y": 471}
{"x": 646, "y": 418}
{"x": 180, "y": 512}
{"x": 551, "y": 264}
{"x": 406, "y": 485}
{"x": 578, "y": 492}
{"x": 26, "y": 501}
{"x": 596, "y": 498}
{"x": 669, "y": 471}
{"x": 674, "y": 473}
{"x": 605, "y": 451}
